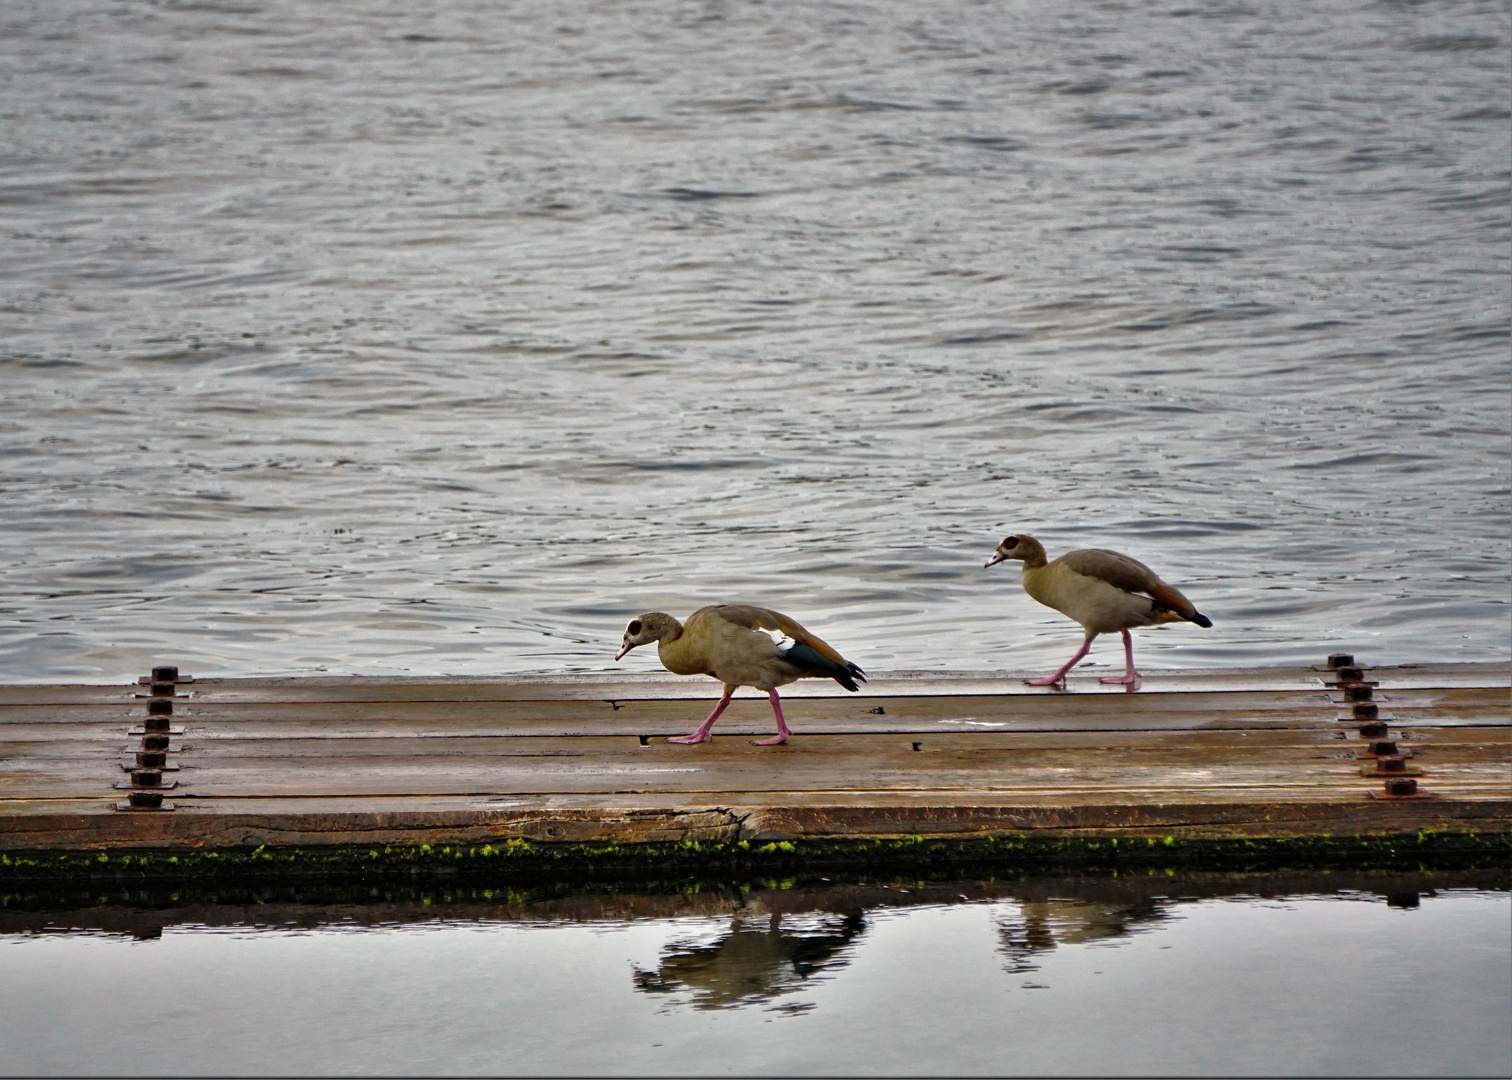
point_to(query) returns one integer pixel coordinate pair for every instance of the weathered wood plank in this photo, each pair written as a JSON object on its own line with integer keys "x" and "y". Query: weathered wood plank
{"x": 277, "y": 742}
{"x": 661, "y": 686}
{"x": 894, "y": 767}
{"x": 436, "y": 820}
{"x": 817, "y": 716}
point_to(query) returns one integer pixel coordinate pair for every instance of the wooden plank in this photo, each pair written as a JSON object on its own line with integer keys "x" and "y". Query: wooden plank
{"x": 1483, "y": 787}
{"x": 815, "y": 716}
{"x": 756, "y": 817}
{"x": 969, "y": 763}
{"x": 295, "y": 740}
{"x": 662, "y": 686}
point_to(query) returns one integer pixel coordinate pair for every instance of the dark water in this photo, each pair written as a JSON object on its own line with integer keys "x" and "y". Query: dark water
{"x": 382, "y": 337}
{"x": 1282, "y": 974}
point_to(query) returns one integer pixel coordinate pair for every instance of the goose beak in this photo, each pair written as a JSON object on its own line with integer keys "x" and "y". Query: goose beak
{"x": 624, "y": 649}
{"x": 997, "y": 557}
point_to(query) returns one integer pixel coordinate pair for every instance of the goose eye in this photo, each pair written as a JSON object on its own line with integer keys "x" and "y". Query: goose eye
{"x": 634, "y": 627}
{"x": 1012, "y": 541}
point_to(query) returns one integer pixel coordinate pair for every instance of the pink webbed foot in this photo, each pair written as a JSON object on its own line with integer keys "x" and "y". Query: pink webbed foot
{"x": 1128, "y": 678}
{"x": 691, "y": 740}
{"x": 775, "y": 740}
{"x": 1048, "y": 680}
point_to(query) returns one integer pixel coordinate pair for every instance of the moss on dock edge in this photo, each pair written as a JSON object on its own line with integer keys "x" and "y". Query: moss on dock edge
{"x": 535, "y": 860}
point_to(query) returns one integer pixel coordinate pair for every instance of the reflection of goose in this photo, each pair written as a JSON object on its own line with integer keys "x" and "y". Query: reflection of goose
{"x": 748, "y": 966}
{"x": 1038, "y": 926}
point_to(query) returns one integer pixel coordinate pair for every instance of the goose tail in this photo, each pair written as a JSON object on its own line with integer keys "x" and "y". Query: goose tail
{"x": 845, "y": 673}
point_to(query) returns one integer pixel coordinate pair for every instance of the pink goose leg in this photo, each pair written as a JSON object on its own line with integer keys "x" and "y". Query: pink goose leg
{"x": 703, "y": 732}
{"x": 782, "y": 728}
{"x": 1060, "y": 676}
{"x": 1130, "y": 675}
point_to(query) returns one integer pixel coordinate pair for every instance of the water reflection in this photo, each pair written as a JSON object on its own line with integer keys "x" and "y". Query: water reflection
{"x": 756, "y": 961}
{"x": 1039, "y": 926}
{"x": 870, "y": 977}
{"x": 773, "y": 933}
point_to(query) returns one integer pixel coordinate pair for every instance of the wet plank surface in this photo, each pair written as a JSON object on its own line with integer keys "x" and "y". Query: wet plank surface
{"x": 283, "y": 761}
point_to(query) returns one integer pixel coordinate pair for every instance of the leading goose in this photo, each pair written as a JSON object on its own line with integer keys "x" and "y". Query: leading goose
{"x": 740, "y": 646}
{"x": 1102, "y": 590}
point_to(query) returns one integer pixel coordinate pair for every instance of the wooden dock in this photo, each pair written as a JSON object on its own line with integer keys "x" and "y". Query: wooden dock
{"x": 333, "y": 761}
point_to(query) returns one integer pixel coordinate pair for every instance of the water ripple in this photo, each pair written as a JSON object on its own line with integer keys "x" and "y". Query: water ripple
{"x": 376, "y": 338}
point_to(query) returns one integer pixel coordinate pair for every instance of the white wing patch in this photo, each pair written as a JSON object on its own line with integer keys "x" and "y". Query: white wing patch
{"x": 779, "y": 639}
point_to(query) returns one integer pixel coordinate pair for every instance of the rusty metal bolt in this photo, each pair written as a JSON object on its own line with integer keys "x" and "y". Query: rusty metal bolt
{"x": 1381, "y": 747}
{"x": 1340, "y": 659}
{"x": 154, "y": 742}
{"x": 1391, "y": 764}
{"x": 145, "y": 800}
{"x": 162, "y": 689}
{"x": 1359, "y": 693}
{"x": 160, "y": 707}
{"x": 155, "y": 723}
{"x": 146, "y": 777}
{"x": 1401, "y": 785}
{"x": 165, "y": 674}
{"x": 1367, "y": 711}
{"x": 151, "y": 759}
{"x": 1372, "y": 731}
{"x": 1350, "y": 674}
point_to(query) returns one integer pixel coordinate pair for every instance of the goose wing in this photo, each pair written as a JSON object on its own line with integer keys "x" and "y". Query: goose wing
{"x": 798, "y": 647}
{"x": 1127, "y": 574}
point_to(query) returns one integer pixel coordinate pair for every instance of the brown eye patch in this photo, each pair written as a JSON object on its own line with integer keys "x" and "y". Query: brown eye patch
{"x": 1011, "y": 541}
{"x": 634, "y": 627}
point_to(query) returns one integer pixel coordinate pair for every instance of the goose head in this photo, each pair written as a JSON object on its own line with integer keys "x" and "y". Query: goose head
{"x": 1022, "y": 547}
{"x": 644, "y": 629}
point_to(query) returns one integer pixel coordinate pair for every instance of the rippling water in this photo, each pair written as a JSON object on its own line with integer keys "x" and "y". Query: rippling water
{"x": 381, "y": 337}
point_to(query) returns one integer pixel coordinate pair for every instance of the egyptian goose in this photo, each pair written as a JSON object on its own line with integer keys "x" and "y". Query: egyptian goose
{"x": 740, "y": 646}
{"x": 1102, "y": 590}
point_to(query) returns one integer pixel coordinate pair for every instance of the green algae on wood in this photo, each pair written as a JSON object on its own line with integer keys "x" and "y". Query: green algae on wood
{"x": 536, "y": 860}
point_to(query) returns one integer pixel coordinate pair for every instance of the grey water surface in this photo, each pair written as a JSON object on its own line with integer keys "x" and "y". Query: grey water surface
{"x": 1342, "y": 974}
{"x": 382, "y": 337}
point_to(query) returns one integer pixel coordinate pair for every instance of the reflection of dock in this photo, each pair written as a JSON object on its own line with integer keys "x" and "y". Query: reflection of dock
{"x": 1071, "y": 907}
{"x": 312, "y": 762}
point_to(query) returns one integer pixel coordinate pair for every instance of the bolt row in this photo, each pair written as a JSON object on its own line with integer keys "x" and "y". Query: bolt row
{"x": 146, "y": 791}
{"x": 1390, "y": 759}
